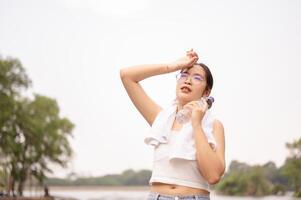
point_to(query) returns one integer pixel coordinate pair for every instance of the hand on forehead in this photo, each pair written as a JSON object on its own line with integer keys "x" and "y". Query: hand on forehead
{"x": 196, "y": 69}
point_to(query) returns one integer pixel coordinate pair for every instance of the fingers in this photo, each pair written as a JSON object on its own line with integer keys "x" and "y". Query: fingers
{"x": 189, "y": 50}
{"x": 203, "y": 105}
{"x": 193, "y": 56}
{"x": 193, "y": 60}
{"x": 191, "y": 53}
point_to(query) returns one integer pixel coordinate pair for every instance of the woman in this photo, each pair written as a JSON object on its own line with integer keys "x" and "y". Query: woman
{"x": 186, "y": 177}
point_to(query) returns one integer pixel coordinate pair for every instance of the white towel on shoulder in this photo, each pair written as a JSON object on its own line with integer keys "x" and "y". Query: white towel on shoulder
{"x": 184, "y": 146}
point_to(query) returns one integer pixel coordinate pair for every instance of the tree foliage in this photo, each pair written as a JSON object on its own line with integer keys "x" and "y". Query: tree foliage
{"x": 243, "y": 179}
{"x": 32, "y": 134}
{"x": 292, "y": 167}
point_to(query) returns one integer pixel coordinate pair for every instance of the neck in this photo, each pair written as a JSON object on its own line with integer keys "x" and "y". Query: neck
{"x": 179, "y": 106}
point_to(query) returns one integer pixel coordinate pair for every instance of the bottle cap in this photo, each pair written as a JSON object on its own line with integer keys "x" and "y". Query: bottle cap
{"x": 210, "y": 99}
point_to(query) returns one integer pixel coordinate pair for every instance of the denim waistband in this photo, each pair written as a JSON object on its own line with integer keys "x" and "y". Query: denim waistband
{"x": 158, "y": 196}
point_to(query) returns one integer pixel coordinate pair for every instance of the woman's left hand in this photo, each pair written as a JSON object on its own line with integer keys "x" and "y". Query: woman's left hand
{"x": 198, "y": 111}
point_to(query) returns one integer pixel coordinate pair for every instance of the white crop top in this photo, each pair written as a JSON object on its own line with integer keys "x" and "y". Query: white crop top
{"x": 174, "y": 158}
{"x": 176, "y": 171}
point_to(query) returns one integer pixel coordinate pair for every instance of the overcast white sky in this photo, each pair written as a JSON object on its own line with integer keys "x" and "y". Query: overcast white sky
{"x": 73, "y": 51}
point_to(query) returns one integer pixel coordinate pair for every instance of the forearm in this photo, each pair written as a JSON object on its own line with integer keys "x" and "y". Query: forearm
{"x": 209, "y": 163}
{"x": 140, "y": 72}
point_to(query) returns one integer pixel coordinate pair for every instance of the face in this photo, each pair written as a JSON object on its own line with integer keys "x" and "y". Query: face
{"x": 191, "y": 85}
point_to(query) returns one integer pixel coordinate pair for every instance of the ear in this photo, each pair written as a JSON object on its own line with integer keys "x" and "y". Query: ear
{"x": 206, "y": 93}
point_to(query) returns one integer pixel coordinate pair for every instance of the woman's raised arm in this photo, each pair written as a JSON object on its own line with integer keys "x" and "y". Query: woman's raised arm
{"x": 131, "y": 76}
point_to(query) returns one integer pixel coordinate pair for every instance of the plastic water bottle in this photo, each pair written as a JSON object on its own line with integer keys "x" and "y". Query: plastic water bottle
{"x": 183, "y": 115}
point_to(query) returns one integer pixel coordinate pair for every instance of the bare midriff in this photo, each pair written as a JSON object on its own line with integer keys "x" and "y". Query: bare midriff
{"x": 171, "y": 189}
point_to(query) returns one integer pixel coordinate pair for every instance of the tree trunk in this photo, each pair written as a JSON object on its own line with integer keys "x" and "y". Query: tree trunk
{"x": 20, "y": 188}
{"x": 22, "y": 180}
{"x": 11, "y": 185}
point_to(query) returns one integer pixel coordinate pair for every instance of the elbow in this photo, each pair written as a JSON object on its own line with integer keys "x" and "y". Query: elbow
{"x": 126, "y": 75}
{"x": 214, "y": 180}
{"x": 122, "y": 73}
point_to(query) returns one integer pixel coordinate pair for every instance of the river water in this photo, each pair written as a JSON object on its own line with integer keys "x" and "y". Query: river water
{"x": 130, "y": 193}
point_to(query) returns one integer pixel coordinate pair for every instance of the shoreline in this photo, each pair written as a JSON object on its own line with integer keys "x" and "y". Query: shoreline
{"x": 100, "y": 188}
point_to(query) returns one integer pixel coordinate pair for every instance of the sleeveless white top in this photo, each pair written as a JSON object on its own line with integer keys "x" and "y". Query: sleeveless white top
{"x": 174, "y": 158}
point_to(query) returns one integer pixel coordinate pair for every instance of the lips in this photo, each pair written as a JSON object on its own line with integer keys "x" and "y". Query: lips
{"x": 185, "y": 89}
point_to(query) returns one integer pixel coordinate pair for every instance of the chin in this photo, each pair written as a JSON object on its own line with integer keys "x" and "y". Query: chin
{"x": 184, "y": 98}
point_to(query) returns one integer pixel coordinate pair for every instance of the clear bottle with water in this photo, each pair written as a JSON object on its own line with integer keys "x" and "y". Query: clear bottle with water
{"x": 184, "y": 115}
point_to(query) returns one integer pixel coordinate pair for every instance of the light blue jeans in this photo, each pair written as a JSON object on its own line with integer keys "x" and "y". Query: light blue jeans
{"x": 158, "y": 196}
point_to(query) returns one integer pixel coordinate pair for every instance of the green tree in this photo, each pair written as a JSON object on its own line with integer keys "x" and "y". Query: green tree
{"x": 42, "y": 138}
{"x": 242, "y": 179}
{"x": 273, "y": 174}
{"x": 292, "y": 167}
{"x": 32, "y": 134}
{"x": 13, "y": 80}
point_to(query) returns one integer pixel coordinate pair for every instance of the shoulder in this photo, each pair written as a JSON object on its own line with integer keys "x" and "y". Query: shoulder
{"x": 162, "y": 115}
{"x": 217, "y": 124}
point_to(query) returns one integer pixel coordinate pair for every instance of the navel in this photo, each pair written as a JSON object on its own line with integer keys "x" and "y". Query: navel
{"x": 173, "y": 187}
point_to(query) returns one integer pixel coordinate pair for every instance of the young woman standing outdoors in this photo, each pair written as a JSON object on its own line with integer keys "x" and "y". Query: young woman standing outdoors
{"x": 187, "y": 177}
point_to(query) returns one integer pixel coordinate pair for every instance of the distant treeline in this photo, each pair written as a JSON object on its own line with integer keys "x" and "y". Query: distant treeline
{"x": 240, "y": 179}
{"x": 128, "y": 177}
